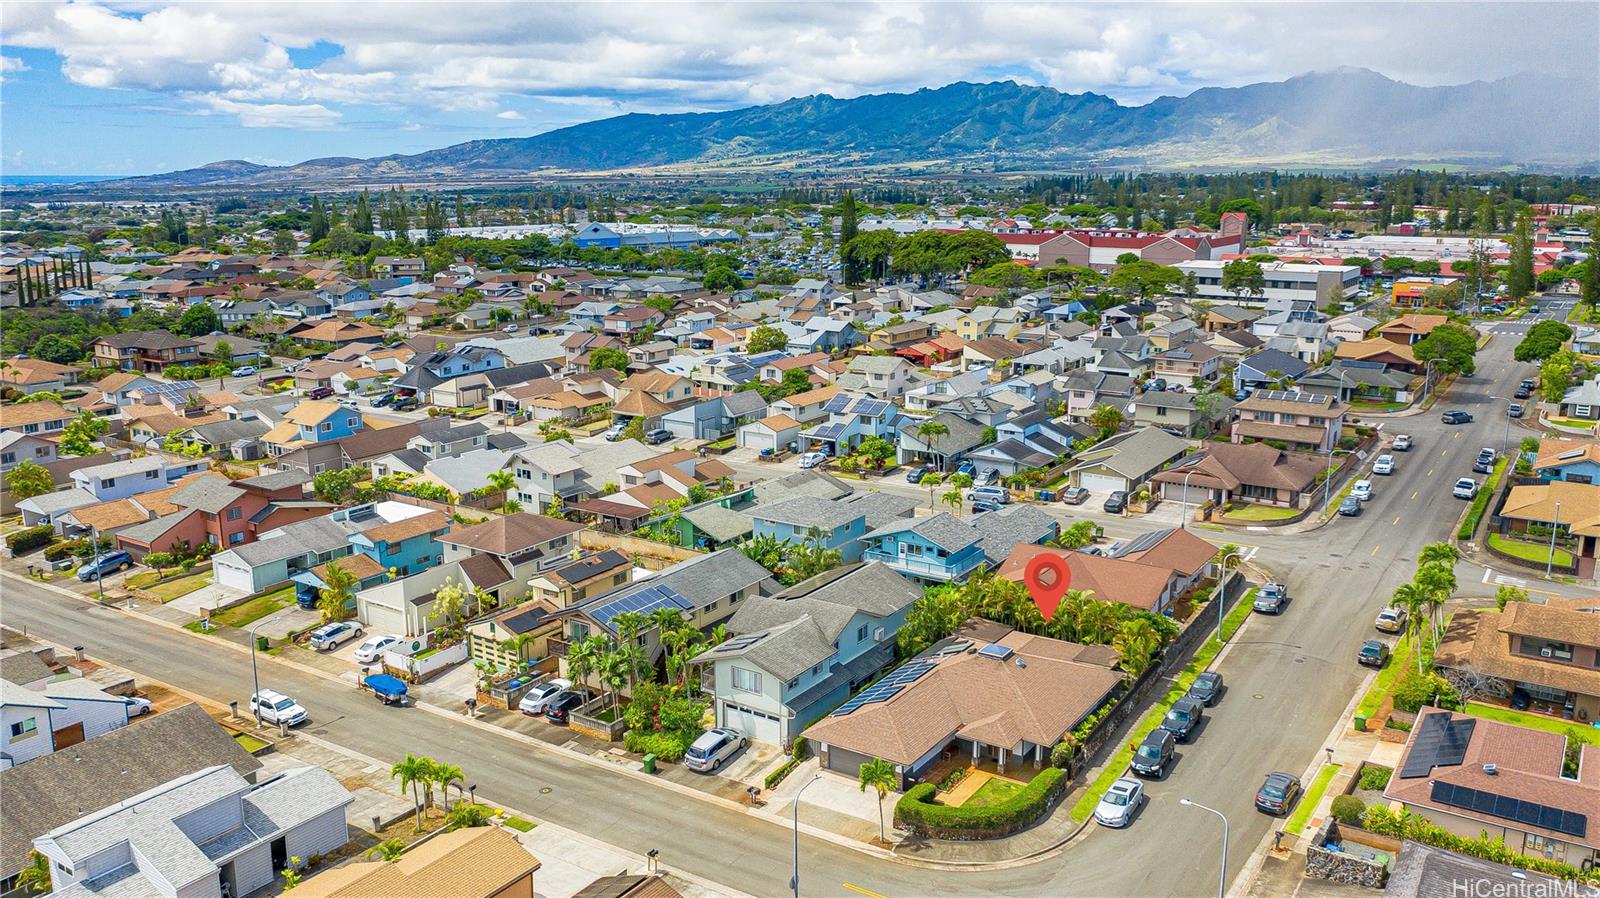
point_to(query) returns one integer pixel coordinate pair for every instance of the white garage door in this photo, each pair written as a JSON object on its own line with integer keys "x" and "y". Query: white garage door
{"x": 380, "y": 619}
{"x": 1102, "y": 483}
{"x": 755, "y": 724}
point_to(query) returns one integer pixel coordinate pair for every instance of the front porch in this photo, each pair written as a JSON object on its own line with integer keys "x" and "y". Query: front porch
{"x": 979, "y": 761}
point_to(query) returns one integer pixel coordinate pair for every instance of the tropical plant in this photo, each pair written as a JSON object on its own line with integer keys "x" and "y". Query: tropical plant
{"x": 582, "y": 658}
{"x": 389, "y": 850}
{"x": 1413, "y": 599}
{"x": 502, "y": 481}
{"x": 932, "y": 480}
{"x": 466, "y": 816}
{"x": 411, "y": 772}
{"x": 878, "y": 775}
{"x": 929, "y": 433}
{"x": 445, "y": 774}
{"x": 338, "y": 589}
{"x": 27, "y": 480}
{"x": 1505, "y": 595}
{"x": 35, "y": 874}
{"x": 1136, "y": 642}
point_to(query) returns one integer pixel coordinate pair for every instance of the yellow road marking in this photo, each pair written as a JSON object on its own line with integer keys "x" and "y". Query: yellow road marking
{"x": 1430, "y": 472}
{"x": 1414, "y": 493}
{"x": 1443, "y": 453}
{"x": 860, "y": 891}
{"x": 1457, "y": 436}
{"x": 1375, "y": 549}
{"x": 1396, "y": 521}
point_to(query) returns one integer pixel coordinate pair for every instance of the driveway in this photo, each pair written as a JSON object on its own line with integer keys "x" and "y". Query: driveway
{"x": 210, "y": 597}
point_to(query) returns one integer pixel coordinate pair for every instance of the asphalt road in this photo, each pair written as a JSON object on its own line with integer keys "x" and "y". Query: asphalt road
{"x": 1289, "y": 678}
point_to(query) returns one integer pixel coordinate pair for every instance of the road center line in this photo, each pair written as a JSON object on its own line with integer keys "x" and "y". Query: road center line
{"x": 1414, "y": 494}
{"x": 1430, "y": 473}
{"x": 1375, "y": 549}
{"x": 860, "y": 891}
{"x": 1396, "y": 522}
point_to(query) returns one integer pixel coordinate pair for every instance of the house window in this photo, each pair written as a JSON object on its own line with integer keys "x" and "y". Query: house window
{"x": 235, "y": 513}
{"x": 1547, "y": 648}
{"x": 108, "y": 483}
{"x": 1582, "y": 411}
{"x": 746, "y": 680}
{"x": 861, "y": 633}
{"x": 22, "y": 729}
{"x": 317, "y": 469}
{"x": 235, "y": 538}
{"x": 326, "y": 427}
{"x": 352, "y": 422}
{"x": 151, "y": 475}
{"x": 7, "y": 458}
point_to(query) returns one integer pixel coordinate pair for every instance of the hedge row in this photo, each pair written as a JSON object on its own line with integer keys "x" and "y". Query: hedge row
{"x": 917, "y": 807}
{"x": 1480, "y": 502}
{"x": 30, "y": 539}
{"x": 1405, "y": 825}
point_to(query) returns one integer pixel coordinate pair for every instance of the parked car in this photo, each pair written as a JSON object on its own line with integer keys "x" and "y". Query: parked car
{"x": 1484, "y": 462}
{"x": 1456, "y": 417}
{"x": 320, "y": 393}
{"x": 329, "y": 636}
{"x": 614, "y": 432}
{"x": 1278, "y": 792}
{"x": 1350, "y": 507}
{"x": 967, "y": 468}
{"x": 244, "y": 371}
{"x": 1514, "y": 410}
{"x": 1117, "y": 502}
{"x": 1384, "y": 465}
{"x": 1391, "y": 620}
{"x": 1528, "y": 384}
{"x": 980, "y": 507}
{"x": 658, "y": 436}
{"x": 1271, "y": 598}
{"x": 510, "y": 328}
{"x": 1465, "y": 488}
{"x": 1402, "y": 442}
{"x": 1075, "y": 495}
{"x": 916, "y": 474}
{"x": 275, "y": 707}
{"x": 534, "y": 700}
{"x": 1157, "y": 385}
{"x": 1206, "y": 688}
{"x": 712, "y": 748}
{"x": 812, "y": 459}
{"x": 1362, "y": 490}
{"x": 1120, "y": 803}
{"x": 1153, "y": 754}
{"x": 1373, "y": 653}
{"x": 1182, "y": 718}
{"x": 383, "y": 400}
{"x": 108, "y": 563}
{"x": 137, "y": 705}
{"x": 1523, "y": 393}
{"x": 987, "y": 477}
{"x": 993, "y": 494}
{"x": 561, "y": 705}
{"x": 373, "y": 648}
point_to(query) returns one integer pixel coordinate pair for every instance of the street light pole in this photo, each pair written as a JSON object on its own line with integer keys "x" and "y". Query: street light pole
{"x": 1183, "y": 518}
{"x": 1550, "y": 562}
{"x": 1222, "y": 878}
{"x": 1505, "y": 448}
{"x": 99, "y": 575}
{"x": 1327, "y": 480}
{"x": 255, "y": 677}
{"x": 794, "y": 878}
{"x": 1222, "y": 596}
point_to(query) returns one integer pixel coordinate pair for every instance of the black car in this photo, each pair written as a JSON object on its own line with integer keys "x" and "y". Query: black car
{"x": 559, "y": 709}
{"x": 1153, "y": 754}
{"x": 1456, "y": 417}
{"x": 1528, "y": 384}
{"x": 1206, "y": 688}
{"x": 1350, "y": 507}
{"x": 1117, "y": 502}
{"x": 916, "y": 474}
{"x": 1523, "y": 393}
{"x": 1373, "y": 653}
{"x": 1182, "y": 718}
{"x": 1278, "y": 792}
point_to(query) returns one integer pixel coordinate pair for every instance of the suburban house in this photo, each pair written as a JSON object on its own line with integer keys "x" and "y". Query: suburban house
{"x": 1473, "y": 776}
{"x": 1410, "y": 329}
{"x": 525, "y": 544}
{"x": 17, "y": 447}
{"x": 1545, "y": 655}
{"x": 211, "y": 508}
{"x": 1149, "y": 572}
{"x": 43, "y": 717}
{"x": 772, "y": 434}
{"x": 851, "y": 419}
{"x": 338, "y": 333}
{"x": 809, "y": 520}
{"x": 1189, "y": 364}
{"x": 29, "y": 376}
{"x": 1221, "y": 473}
{"x": 650, "y": 395}
{"x": 1574, "y": 461}
{"x": 130, "y": 477}
{"x": 475, "y": 862}
{"x": 1348, "y": 380}
{"x": 582, "y": 578}
{"x": 44, "y": 418}
{"x": 626, "y": 322}
{"x": 489, "y": 633}
{"x": 941, "y": 548}
{"x": 312, "y": 422}
{"x": 143, "y": 351}
{"x": 1308, "y": 421}
{"x": 1124, "y": 461}
{"x": 988, "y": 694}
{"x": 944, "y": 451}
{"x": 407, "y": 606}
{"x": 1378, "y": 349}
{"x": 1571, "y": 507}
{"x": 207, "y": 833}
{"x": 560, "y": 470}
{"x": 1084, "y": 390}
{"x": 805, "y": 407}
{"x": 278, "y": 555}
{"x": 715, "y": 417}
{"x": 883, "y": 376}
{"x": 1582, "y": 401}
{"x": 794, "y": 656}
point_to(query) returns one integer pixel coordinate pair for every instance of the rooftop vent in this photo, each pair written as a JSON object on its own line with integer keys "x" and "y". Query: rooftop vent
{"x": 1490, "y": 769}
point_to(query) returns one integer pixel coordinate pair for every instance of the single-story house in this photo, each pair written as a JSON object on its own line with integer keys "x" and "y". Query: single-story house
{"x": 1123, "y": 461}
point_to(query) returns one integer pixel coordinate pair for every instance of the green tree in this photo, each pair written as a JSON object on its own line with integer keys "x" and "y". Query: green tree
{"x": 1106, "y": 419}
{"x": 1243, "y": 277}
{"x": 1413, "y": 599}
{"x": 929, "y": 432}
{"x": 337, "y": 486}
{"x": 1559, "y": 373}
{"x": 932, "y": 480}
{"x": 1453, "y": 345}
{"x": 848, "y": 213}
{"x": 467, "y": 816}
{"x": 57, "y": 348}
{"x": 80, "y": 433}
{"x": 222, "y": 353}
{"x": 443, "y": 775}
{"x": 34, "y": 877}
{"x": 388, "y": 851}
{"x": 1505, "y": 595}
{"x": 1138, "y": 280}
{"x": 1519, "y": 271}
{"x": 1009, "y": 276}
{"x": 1542, "y": 341}
{"x": 361, "y": 214}
{"x": 1589, "y": 284}
{"x": 722, "y": 278}
{"x": 411, "y": 772}
{"x": 765, "y": 338}
{"x": 319, "y": 225}
{"x": 337, "y": 593}
{"x": 198, "y": 320}
{"x": 879, "y": 776}
{"x": 283, "y": 242}
{"x": 608, "y": 357}
{"x": 27, "y": 480}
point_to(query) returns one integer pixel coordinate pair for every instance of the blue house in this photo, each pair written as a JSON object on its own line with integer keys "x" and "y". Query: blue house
{"x": 1573, "y": 461}
{"x": 596, "y": 234}
{"x": 319, "y": 422}
{"x": 80, "y": 299}
{"x": 446, "y": 365}
{"x": 716, "y": 417}
{"x": 943, "y": 549}
{"x": 821, "y": 522}
{"x": 592, "y": 315}
{"x": 796, "y": 655}
{"x": 851, "y": 419}
{"x": 407, "y": 546}
{"x": 343, "y": 293}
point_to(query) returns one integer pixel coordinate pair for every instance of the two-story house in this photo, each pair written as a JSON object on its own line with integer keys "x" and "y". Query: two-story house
{"x": 679, "y": 471}
{"x": 815, "y": 521}
{"x": 1544, "y": 656}
{"x": 883, "y": 376}
{"x": 794, "y": 656}
{"x": 213, "y": 509}
{"x": 17, "y": 447}
{"x": 311, "y": 423}
{"x": 851, "y": 419}
{"x": 1189, "y": 364}
{"x": 1575, "y": 461}
{"x": 989, "y": 321}
{"x": 143, "y": 351}
{"x": 525, "y": 544}
{"x": 561, "y": 470}
{"x": 806, "y": 407}
{"x": 39, "y": 718}
{"x": 1084, "y": 391}
{"x": 942, "y": 548}
{"x": 715, "y": 417}
{"x": 404, "y": 546}
{"x": 650, "y": 395}
{"x": 956, "y": 436}
{"x": 821, "y": 334}
{"x": 1308, "y": 421}
{"x": 436, "y": 368}
{"x": 405, "y": 269}
{"x": 276, "y": 556}
{"x": 121, "y": 479}
{"x": 626, "y": 323}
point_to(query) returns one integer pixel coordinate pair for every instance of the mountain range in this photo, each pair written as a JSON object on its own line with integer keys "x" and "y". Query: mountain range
{"x": 1344, "y": 118}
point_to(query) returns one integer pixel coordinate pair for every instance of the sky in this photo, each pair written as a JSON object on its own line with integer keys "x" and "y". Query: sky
{"x": 95, "y": 87}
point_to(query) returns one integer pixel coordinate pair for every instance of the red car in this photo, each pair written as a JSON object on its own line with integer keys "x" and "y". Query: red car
{"x": 320, "y": 393}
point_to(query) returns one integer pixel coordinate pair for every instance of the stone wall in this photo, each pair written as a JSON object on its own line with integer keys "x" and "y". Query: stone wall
{"x": 1338, "y": 866}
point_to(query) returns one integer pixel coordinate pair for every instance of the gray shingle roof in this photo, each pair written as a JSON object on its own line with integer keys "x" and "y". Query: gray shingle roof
{"x": 314, "y": 535}
{"x": 941, "y": 529}
{"x": 209, "y": 493}
{"x": 881, "y": 508}
{"x": 1010, "y": 527}
{"x": 151, "y": 531}
{"x": 721, "y": 524}
{"x": 801, "y": 483}
{"x": 807, "y": 511}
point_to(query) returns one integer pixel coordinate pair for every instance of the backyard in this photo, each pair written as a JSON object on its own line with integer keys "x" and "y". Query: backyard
{"x": 1528, "y": 550}
{"x": 1503, "y": 714}
{"x": 994, "y": 791}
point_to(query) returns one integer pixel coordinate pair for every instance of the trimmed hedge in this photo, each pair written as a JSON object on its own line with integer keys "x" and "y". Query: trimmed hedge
{"x": 917, "y": 810}
{"x": 783, "y": 771}
{"x": 1406, "y": 825}
{"x": 1348, "y": 809}
{"x": 30, "y": 539}
{"x": 1480, "y": 502}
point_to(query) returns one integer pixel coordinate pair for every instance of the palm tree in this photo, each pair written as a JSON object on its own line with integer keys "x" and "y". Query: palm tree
{"x": 35, "y": 877}
{"x": 1136, "y": 641}
{"x": 1414, "y": 599}
{"x": 502, "y": 481}
{"x": 932, "y": 480}
{"x": 1439, "y": 582}
{"x": 388, "y": 850}
{"x": 444, "y": 775}
{"x": 411, "y": 773}
{"x": 629, "y": 625}
{"x": 952, "y": 498}
{"x": 616, "y": 670}
{"x": 582, "y": 657}
{"x": 929, "y": 433}
{"x": 464, "y": 816}
{"x": 516, "y": 644}
{"x": 338, "y": 588}
{"x": 878, "y": 774}
{"x": 1439, "y": 553}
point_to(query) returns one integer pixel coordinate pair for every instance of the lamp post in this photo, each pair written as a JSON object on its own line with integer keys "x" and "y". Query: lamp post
{"x": 255, "y": 676}
{"x": 1222, "y": 588}
{"x": 1222, "y": 878}
{"x": 1183, "y": 518}
{"x": 794, "y": 878}
{"x": 1554, "y": 525}
{"x": 1427, "y": 378}
{"x": 1505, "y": 447}
{"x": 99, "y": 575}
{"x": 1327, "y": 485}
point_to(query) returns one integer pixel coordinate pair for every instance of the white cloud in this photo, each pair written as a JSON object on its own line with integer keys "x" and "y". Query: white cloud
{"x": 234, "y": 57}
{"x": 12, "y": 64}
{"x": 510, "y": 114}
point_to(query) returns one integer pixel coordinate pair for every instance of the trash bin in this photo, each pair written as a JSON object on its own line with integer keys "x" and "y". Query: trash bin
{"x": 649, "y": 763}
{"x": 1047, "y": 495}
{"x": 262, "y": 643}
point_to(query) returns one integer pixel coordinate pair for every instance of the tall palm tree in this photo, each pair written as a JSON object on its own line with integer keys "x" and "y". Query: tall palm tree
{"x": 878, "y": 775}
{"x": 1414, "y": 600}
{"x": 502, "y": 481}
{"x": 582, "y": 656}
{"x": 952, "y": 498}
{"x": 932, "y": 481}
{"x": 615, "y": 670}
{"x": 1439, "y": 553}
{"x": 333, "y": 599}
{"x": 1136, "y": 641}
{"x": 1438, "y": 580}
{"x": 410, "y": 773}
{"x": 929, "y": 433}
{"x": 444, "y": 775}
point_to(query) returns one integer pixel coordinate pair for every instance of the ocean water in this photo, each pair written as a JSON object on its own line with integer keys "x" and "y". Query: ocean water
{"x": 8, "y": 180}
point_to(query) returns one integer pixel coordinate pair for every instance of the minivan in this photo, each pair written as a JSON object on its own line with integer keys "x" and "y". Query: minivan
{"x": 995, "y": 494}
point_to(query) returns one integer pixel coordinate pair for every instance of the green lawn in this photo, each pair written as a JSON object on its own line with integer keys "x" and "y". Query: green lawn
{"x": 1118, "y": 763}
{"x": 1535, "y": 721}
{"x": 181, "y": 586}
{"x": 991, "y": 793}
{"x": 1308, "y": 802}
{"x": 141, "y": 580}
{"x": 1254, "y": 512}
{"x": 249, "y": 612}
{"x": 249, "y": 743}
{"x": 1579, "y": 423}
{"x": 1529, "y": 551}
{"x": 1378, "y": 405}
{"x": 1399, "y": 662}
{"x": 519, "y": 824}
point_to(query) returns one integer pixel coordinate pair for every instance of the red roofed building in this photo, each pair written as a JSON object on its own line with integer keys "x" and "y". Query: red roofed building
{"x": 1101, "y": 249}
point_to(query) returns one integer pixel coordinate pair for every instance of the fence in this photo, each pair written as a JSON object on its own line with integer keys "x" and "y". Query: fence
{"x": 425, "y": 663}
{"x": 653, "y": 555}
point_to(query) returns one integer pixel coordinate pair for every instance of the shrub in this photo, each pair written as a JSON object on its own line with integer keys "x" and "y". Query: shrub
{"x": 917, "y": 806}
{"x": 664, "y": 746}
{"x": 1348, "y": 809}
{"x": 1374, "y": 777}
{"x": 1061, "y": 755}
{"x": 31, "y": 538}
{"x": 1415, "y": 690}
{"x": 800, "y": 750}
{"x": 1405, "y": 825}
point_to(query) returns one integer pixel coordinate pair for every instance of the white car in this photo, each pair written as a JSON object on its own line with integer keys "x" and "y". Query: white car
{"x": 328, "y": 637}
{"x": 136, "y": 705}
{"x": 1402, "y": 443}
{"x": 1384, "y": 465}
{"x": 534, "y": 700}
{"x": 812, "y": 459}
{"x": 1465, "y": 488}
{"x": 712, "y": 748}
{"x": 371, "y": 650}
{"x": 1362, "y": 490}
{"x": 1121, "y": 801}
{"x": 275, "y": 707}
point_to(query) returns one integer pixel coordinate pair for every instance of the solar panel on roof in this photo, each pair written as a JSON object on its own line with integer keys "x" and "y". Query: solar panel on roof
{"x": 1440, "y": 741}
{"x": 1505, "y": 807}
{"x": 643, "y": 601}
{"x": 996, "y": 650}
{"x": 837, "y": 404}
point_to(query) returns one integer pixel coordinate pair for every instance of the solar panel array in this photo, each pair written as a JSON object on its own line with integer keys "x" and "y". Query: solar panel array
{"x": 857, "y": 405}
{"x": 740, "y": 643}
{"x": 1291, "y": 396}
{"x": 888, "y": 687}
{"x": 177, "y": 389}
{"x": 1441, "y": 741}
{"x": 838, "y": 403}
{"x": 1505, "y": 807}
{"x": 829, "y": 431}
{"x": 644, "y": 601}
{"x": 871, "y": 407}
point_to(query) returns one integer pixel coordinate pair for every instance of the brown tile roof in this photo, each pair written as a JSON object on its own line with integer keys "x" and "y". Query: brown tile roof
{"x": 1580, "y": 505}
{"x": 812, "y": 397}
{"x": 1475, "y": 640}
{"x": 638, "y": 402}
{"x": 628, "y": 885}
{"x": 35, "y": 371}
{"x": 108, "y": 516}
{"x": 1179, "y": 550}
{"x": 311, "y": 412}
{"x": 1413, "y": 324}
{"x": 1551, "y": 452}
{"x": 1313, "y": 404}
{"x": 993, "y": 701}
{"x": 357, "y": 565}
{"x": 1292, "y": 433}
{"x": 484, "y": 571}
{"x": 406, "y": 529}
{"x": 1231, "y": 465}
{"x": 779, "y": 422}
{"x": 1110, "y": 579}
{"x": 477, "y": 862}
{"x": 997, "y": 348}
{"x": 510, "y": 534}
{"x": 114, "y": 382}
{"x": 339, "y": 331}
{"x": 1366, "y": 349}
{"x": 32, "y": 413}
{"x": 653, "y": 381}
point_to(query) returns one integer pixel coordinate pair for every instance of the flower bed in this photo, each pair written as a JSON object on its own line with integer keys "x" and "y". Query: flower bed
{"x": 919, "y": 812}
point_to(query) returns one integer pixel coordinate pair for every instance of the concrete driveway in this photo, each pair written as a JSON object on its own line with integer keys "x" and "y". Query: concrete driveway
{"x": 209, "y": 598}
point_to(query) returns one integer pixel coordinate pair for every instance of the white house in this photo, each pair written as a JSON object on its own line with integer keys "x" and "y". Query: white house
{"x": 121, "y": 479}
{"x": 54, "y": 715}
{"x": 1283, "y": 280}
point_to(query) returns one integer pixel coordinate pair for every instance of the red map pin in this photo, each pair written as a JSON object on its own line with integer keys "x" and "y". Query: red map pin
{"x": 1046, "y": 577}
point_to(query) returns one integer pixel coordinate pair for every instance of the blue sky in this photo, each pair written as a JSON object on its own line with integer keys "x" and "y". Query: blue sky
{"x": 94, "y": 87}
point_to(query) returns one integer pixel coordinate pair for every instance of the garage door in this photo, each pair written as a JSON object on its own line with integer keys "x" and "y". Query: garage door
{"x": 755, "y": 724}
{"x": 1102, "y": 483}
{"x": 381, "y": 619}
